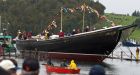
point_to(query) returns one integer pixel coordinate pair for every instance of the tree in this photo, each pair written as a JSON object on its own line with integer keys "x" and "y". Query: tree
{"x": 137, "y": 22}
{"x": 36, "y": 15}
{"x": 136, "y": 13}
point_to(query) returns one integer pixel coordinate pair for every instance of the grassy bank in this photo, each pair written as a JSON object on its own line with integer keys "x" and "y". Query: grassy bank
{"x": 119, "y": 19}
{"x": 136, "y": 34}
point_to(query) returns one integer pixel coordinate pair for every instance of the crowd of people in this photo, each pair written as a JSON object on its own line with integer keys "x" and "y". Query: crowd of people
{"x": 62, "y": 34}
{"x": 31, "y": 66}
{"x": 46, "y": 33}
{"x": 24, "y": 35}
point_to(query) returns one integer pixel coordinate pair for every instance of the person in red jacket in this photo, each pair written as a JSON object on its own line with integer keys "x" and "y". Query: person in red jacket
{"x": 61, "y": 34}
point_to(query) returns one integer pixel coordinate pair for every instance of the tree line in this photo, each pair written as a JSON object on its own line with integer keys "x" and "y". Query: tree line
{"x": 136, "y": 13}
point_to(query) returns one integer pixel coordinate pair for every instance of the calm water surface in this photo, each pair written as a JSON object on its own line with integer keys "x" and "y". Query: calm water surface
{"x": 112, "y": 66}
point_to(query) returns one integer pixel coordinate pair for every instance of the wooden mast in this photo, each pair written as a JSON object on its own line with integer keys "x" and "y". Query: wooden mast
{"x": 0, "y": 25}
{"x": 61, "y": 19}
{"x": 83, "y": 18}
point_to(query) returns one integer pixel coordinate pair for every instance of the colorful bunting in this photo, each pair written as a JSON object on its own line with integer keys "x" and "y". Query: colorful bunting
{"x": 81, "y": 8}
{"x": 54, "y": 23}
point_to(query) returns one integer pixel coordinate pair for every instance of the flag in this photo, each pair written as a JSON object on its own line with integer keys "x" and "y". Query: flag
{"x": 83, "y": 7}
{"x": 112, "y": 23}
{"x": 103, "y": 17}
{"x": 65, "y": 10}
{"x": 96, "y": 12}
{"x": 71, "y": 10}
{"x": 54, "y": 23}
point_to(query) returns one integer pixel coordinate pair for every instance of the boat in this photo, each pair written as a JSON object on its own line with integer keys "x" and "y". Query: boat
{"x": 61, "y": 70}
{"x": 87, "y": 46}
{"x": 130, "y": 43}
{"x": 7, "y": 43}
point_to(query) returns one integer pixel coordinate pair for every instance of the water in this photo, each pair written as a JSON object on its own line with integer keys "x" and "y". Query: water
{"x": 112, "y": 66}
{"x": 124, "y": 67}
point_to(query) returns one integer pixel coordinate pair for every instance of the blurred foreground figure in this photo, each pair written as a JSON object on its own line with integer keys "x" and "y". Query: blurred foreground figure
{"x": 30, "y": 66}
{"x": 97, "y": 70}
{"x": 4, "y": 72}
{"x": 9, "y": 66}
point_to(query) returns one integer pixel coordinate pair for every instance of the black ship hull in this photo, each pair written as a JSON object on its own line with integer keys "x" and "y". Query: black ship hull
{"x": 100, "y": 42}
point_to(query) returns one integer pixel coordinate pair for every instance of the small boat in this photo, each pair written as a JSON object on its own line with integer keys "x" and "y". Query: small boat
{"x": 7, "y": 43}
{"x": 61, "y": 70}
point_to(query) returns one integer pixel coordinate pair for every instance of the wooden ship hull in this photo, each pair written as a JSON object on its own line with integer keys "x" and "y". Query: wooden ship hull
{"x": 96, "y": 44}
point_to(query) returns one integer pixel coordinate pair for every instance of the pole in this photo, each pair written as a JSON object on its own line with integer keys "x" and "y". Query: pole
{"x": 121, "y": 55}
{"x": 0, "y": 25}
{"x": 131, "y": 56}
{"x": 4, "y": 1}
{"x": 112, "y": 55}
{"x": 83, "y": 18}
{"x": 61, "y": 18}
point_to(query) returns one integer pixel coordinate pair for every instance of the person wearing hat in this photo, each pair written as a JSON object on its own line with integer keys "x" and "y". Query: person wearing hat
{"x": 97, "y": 70}
{"x": 30, "y": 66}
{"x": 4, "y": 72}
{"x": 73, "y": 65}
{"x": 63, "y": 63}
{"x": 9, "y": 66}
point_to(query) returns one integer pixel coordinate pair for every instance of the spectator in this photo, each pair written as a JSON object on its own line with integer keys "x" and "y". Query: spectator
{"x": 47, "y": 34}
{"x": 97, "y": 70}
{"x": 49, "y": 62}
{"x": 19, "y": 35}
{"x": 61, "y": 34}
{"x": 30, "y": 66}
{"x": 9, "y": 66}
{"x": 29, "y": 35}
{"x": 73, "y": 32}
{"x": 73, "y": 65}
{"x": 137, "y": 53}
{"x": 87, "y": 29}
{"x": 4, "y": 72}
{"x": 1, "y": 50}
{"x": 14, "y": 62}
{"x": 64, "y": 64}
{"x": 78, "y": 31}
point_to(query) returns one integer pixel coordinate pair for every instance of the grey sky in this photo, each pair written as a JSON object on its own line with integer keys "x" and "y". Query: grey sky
{"x": 121, "y": 6}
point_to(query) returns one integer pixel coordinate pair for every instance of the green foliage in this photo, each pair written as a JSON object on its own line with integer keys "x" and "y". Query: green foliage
{"x": 136, "y": 34}
{"x": 120, "y": 19}
{"x": 99, "y": 7}
{"x": 36, "y": 15}
{"x": 136, "y": 13}
{"x": 137, "y": 21}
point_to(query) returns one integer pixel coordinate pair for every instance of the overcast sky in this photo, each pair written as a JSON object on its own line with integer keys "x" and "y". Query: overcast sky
{"x": 121, "y": 6}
